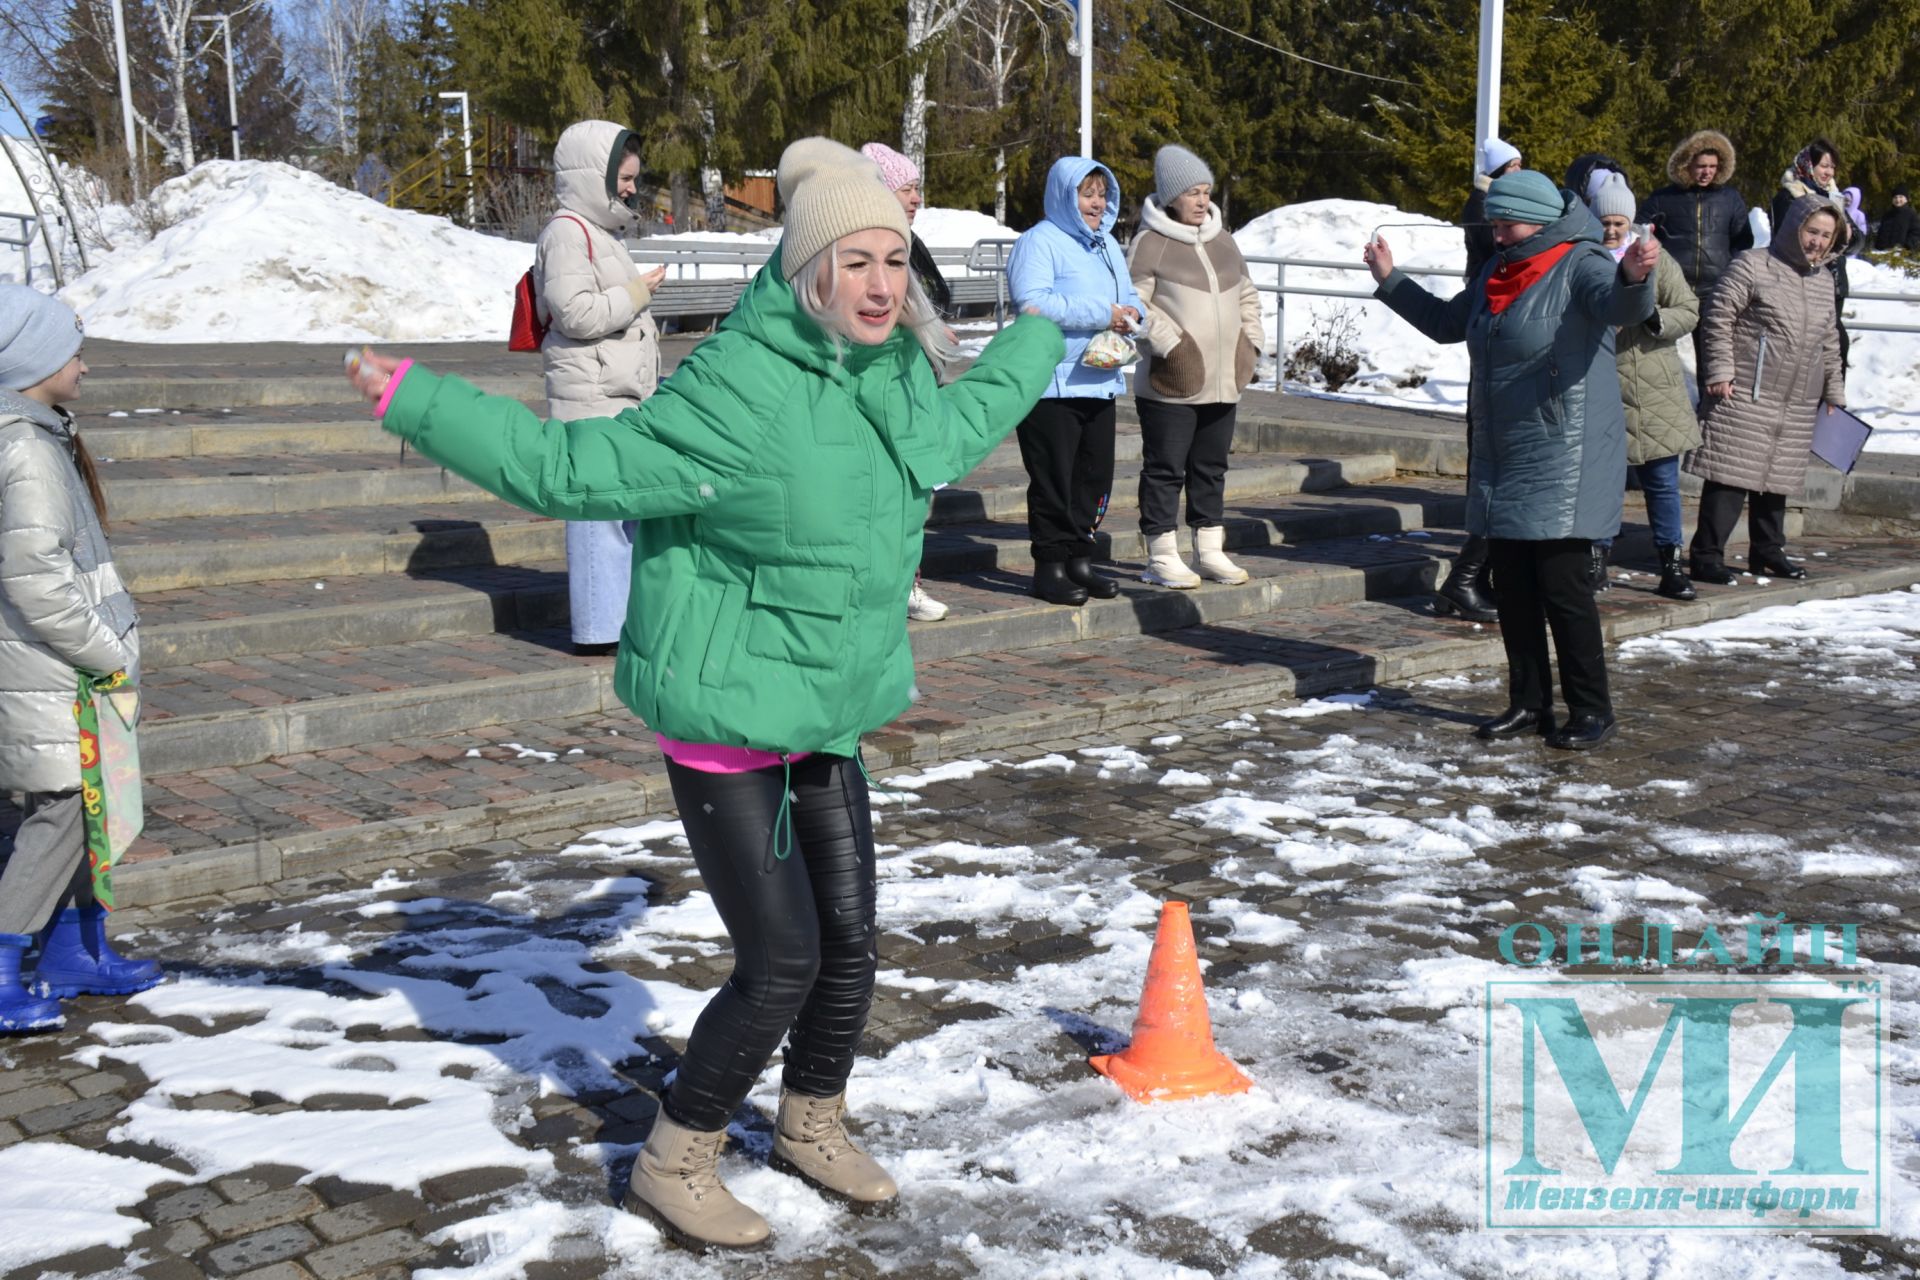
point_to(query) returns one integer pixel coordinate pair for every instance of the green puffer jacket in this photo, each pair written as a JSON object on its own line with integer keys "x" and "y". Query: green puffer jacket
{"x": 780, "y": 488}
{"x": 1653, "y": 383}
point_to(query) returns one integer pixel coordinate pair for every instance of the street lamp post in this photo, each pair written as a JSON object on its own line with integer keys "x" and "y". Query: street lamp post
{"x": 466, "y": 147}
{"x": 233, "y": 97}
{"x": 1086, "y": 78}
{"x": 1486, "y": 119}
{"x": 126, "y": 96}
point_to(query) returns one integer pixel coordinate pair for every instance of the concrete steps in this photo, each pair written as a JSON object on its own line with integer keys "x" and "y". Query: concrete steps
{"x": 222, "y": 828}
{"x": 230, "y": 711}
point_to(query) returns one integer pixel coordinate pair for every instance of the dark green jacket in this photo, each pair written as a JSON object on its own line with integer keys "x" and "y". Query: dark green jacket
{"x": 1549, "y": 435}
{"x": 780, "y": 483}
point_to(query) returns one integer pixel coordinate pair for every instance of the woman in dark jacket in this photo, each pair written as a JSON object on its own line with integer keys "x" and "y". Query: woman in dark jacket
{"x": 1548, "y": 435}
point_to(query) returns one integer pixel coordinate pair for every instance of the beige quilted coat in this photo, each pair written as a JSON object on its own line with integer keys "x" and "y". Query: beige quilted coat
{"x": 1203, "y": 329}
{"x": 1770, "y": 331}
{"x": 601, "y": 353}
{"x": 1653, "y": 385}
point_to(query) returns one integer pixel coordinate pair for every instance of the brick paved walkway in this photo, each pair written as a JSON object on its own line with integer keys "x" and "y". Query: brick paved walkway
{"x": 1347, "y": 923}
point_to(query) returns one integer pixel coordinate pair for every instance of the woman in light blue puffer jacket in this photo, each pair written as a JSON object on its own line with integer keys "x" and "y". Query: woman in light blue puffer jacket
{"x": 1069, "y": 269}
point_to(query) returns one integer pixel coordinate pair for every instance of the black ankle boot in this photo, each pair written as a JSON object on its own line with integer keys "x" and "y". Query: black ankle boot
{"x": 1465, "y": 592}
{"x": 1714, "y": 571}
{"x": 1673, "y": 579}
{"x": 1051, "y": 583}
{"x": 1597, "y": 578}
{"x": 1583, "y": 732}
{"x": 1774, "y": 564}
{"x": 1098, "y": 585}
{"x": 1515, "y": 721}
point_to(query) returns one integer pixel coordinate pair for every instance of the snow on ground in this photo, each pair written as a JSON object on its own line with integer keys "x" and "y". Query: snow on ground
{"x": 1356, "y": 1154}
{"x": 1399, "y": 365}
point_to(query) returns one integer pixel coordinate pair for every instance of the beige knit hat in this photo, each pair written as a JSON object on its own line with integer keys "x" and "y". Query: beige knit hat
{"x": 830, "y": 191}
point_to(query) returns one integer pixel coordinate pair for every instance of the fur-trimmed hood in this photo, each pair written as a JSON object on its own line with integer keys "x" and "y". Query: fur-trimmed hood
{"x": 1705, "y": 140}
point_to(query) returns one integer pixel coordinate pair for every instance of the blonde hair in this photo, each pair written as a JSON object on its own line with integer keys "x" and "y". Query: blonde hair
{"x": 917, "y": 311}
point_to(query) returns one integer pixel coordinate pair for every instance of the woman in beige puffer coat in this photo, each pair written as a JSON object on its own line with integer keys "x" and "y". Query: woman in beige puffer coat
{"x": 1202, "y": 339}
{"x": 602, "y": 349}
{"x": 1772, "y": 355}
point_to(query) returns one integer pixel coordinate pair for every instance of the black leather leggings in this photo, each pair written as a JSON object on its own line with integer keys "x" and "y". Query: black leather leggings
{"x": 802, "y": 928}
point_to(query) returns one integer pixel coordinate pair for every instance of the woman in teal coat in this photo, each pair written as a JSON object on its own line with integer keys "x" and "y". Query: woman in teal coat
{"x": 780, "y": 480}
{"x": 1549, "y": 437}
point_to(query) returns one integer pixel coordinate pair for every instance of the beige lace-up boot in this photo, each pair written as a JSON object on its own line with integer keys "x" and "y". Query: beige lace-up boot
{"x": 676, "y": 1185}
{"x": 811, "y": 1142}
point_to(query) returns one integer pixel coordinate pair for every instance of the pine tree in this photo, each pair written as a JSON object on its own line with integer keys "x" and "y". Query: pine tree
{"x": 409, "y": 61}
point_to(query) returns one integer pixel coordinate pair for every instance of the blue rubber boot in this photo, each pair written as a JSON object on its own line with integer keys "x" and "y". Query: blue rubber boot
{"x": 75, "y": 959}
{"x": 20, "y": 1009}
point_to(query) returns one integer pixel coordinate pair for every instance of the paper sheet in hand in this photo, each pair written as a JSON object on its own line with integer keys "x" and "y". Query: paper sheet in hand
{"x": 1838, "y": 437}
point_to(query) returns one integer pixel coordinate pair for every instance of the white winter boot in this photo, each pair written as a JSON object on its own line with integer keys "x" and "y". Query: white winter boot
{"x": 1210, "y": 555}
{"x": 1165, "y": 568}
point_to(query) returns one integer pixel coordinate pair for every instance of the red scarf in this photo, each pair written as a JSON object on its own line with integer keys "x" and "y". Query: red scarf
{"x": 1511, "y": 279}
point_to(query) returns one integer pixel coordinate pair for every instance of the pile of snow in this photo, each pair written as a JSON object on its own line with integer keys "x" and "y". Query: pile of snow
{"x": 1399, "y": 365}
{"x": 261, "y": 251}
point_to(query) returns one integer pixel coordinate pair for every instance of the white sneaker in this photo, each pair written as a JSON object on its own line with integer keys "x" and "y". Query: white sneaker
{"x": 922, "y": 607}
{"x": 1165, "y": 568}
{"x": 1210, "y": 556}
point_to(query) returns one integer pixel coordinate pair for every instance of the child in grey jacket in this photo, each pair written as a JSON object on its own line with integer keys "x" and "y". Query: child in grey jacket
{"x": 63, "y": 614}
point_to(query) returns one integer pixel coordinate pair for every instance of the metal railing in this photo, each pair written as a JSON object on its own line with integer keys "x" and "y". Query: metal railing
{"x": 24, "y": 240}
{"x": 988, "y": 258}
{"x": 707, "y": 276}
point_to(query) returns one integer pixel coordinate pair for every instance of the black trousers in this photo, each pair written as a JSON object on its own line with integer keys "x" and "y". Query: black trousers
{"x": 802, "y": 927}
{"x": 1183, "y": 444}
{"x": 1067, "y": 447}
{"x": 1720, "y": 509}
{"x": 1542, "y": 586}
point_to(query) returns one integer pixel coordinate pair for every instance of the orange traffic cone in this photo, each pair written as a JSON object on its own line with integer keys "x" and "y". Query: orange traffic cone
{"x": 1172, "y": 1054}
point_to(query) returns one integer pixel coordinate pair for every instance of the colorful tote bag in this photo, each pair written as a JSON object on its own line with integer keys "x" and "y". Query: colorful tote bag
{"x": 108, "y": 711}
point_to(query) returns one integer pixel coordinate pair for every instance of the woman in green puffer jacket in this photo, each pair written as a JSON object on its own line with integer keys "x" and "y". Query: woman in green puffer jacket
{"x": 779, "y": 480}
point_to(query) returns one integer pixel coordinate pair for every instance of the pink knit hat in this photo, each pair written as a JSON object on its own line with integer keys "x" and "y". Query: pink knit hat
{"x": 895, "y": 169}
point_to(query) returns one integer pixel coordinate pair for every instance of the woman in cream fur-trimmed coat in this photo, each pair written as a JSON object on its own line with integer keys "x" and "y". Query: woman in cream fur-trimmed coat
{"x": 1203, "y": 340}
{"x": 602, "y": 349}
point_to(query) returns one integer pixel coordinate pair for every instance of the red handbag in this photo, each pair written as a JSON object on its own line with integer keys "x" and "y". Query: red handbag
{"x": 527, "y": 330}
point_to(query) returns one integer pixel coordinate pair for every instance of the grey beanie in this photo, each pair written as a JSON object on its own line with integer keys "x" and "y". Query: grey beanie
{"x": 38, "y": 335}
{"x": 1177, "y": 170}
{"x": 1614, "y": 197}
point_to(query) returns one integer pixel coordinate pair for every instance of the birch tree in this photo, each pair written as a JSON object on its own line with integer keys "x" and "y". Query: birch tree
{"x": 999, "y": 50}
{"x": 181, "y": 39}
{"x": 927, "y": 22}
{"x": 330, "y": 44}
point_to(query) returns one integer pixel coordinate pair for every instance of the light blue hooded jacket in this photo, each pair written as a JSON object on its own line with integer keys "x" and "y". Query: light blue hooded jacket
{"x": 1074, "y": 277}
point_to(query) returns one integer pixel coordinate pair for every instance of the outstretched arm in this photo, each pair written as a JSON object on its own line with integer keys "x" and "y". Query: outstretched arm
{"x": 674, "y": 454}
{"x": 992, "y": 397}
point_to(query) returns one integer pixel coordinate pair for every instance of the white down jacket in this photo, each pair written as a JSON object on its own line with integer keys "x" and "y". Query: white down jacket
{"x": 62, "y": 606}
{"x": 602, "y": 354}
